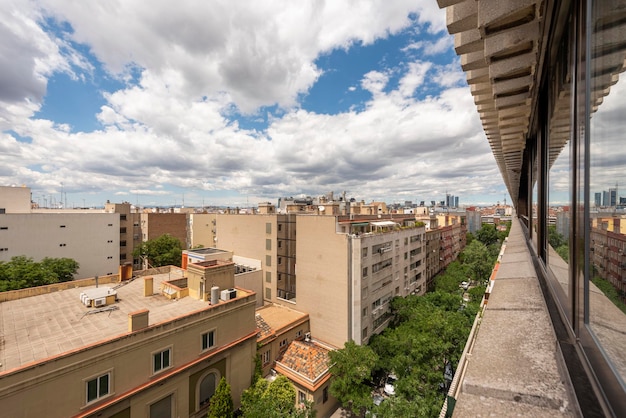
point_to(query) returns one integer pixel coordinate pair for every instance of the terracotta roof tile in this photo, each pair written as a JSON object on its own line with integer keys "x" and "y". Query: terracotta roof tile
{"x": 306, "y": 358}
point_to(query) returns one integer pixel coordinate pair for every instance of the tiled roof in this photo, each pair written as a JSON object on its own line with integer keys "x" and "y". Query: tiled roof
{"x": 264, "y": 329}
{"x": 306, "y": 358}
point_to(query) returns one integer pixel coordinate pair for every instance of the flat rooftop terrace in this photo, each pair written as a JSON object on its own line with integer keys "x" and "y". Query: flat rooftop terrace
{"x": 37, "y": 327}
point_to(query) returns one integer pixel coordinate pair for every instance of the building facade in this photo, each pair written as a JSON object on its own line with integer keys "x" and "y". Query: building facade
{"x": 138, "y": 354}
{"x": 548, "y": 81}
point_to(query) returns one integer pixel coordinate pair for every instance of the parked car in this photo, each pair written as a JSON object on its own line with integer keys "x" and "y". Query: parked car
{"x": 390, "y": 385}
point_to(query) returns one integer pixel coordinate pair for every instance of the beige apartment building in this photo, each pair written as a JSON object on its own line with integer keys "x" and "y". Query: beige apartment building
{"x": 201, "y": 230}
{"x": 147, "y": 347}
{"x": 342, "y": 270}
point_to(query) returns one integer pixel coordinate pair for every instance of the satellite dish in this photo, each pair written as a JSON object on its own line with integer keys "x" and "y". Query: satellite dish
{"x": 321, "y": 208}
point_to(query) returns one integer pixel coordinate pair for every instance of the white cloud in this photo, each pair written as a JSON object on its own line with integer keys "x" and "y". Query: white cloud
{"x": 195, "y": 65}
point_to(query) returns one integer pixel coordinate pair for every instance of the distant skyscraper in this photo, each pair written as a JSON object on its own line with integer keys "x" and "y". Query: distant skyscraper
{"x": 456, "y": 201}
{"x": 598, "y": 199}
{"x": 605, "y": 198}
{"x": 613, "y": 197}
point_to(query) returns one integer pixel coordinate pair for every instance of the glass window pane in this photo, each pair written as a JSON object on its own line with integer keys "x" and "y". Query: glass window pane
{"x": 104, "y": 385}
{"x": 157, "y": 362}
{"x": 166, "y": 359}
{"x": 607, "y": 181}
{"x": 559, "y": 162}
{"x": 92, "y": 390}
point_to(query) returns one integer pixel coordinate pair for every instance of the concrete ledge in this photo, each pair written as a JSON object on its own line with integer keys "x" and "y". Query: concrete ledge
{"x": 513, "y": 366}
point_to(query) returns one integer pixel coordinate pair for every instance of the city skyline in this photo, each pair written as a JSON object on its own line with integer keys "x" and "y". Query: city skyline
{"x": 241, "y": 106}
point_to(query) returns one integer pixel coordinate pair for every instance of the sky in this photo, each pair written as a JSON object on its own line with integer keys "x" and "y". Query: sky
{"x": 233, "y": 103}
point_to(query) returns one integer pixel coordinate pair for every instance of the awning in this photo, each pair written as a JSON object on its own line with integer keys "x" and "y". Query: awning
{"x": 384, "y": 223}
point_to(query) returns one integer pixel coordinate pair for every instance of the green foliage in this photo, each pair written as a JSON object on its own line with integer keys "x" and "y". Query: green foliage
{"x": 449, "y": 280}
{"x": 221, "y": 402}
{"x": 428, "y": 331}
{"x": 554, "y": 238}
{"x": 22, "y": 272}
{"x": 352, "y": 368}
{"x": 273, "y": 400}
{"x": 258, "y": 368}
{"x": 165, "y": 250}
{"x": 503, "y": 234}
{"x": 469, "y": 237}
{"x": 610, "y": 292}
{"x": 478, "y": 260}
{"x": 563, "y": 252}
{"x": 487, "y": 234}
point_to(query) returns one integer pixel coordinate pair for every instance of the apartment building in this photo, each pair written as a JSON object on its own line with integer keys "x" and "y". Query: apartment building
{"x": 92, "y": 239}
{"x": 548, "y": 80}
{"x": 286, "y": 346}
{"x": 148, "y": 347}
{"x": 130, "y": 235}
{"x": 342, "y": 270}
{"x": 201, "y": 230}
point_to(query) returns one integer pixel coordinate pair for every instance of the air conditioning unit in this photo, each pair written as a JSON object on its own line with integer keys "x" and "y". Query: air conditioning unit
{"x": 307, "y": 336}
{"x": 228, "y": 294}
{"x": 99, "y": 302}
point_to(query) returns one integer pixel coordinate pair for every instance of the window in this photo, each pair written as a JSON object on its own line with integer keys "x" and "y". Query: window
{"x": 283, "y": 344}
{"x": 299, "y": 333}
{"x": 280, "y": 260}
{"x": 301, "y": 397}
{"x": 122, "y": 217}
{"x": 123, "y": 230}
{"x": 122, "y": 256}
{"x": 280, "y": 244}
{"x": 364, "y": 252}
{"x": 98, "y": 387}
{"x": 325, "y": 394}
{"x": 265, "y": 357}
{"x": 364, "y": 271}
{"x": 206, "y": 388}
{"x": 162, "y": 408}
{"x": 123, "y": 243}
{"x": 365, "y": 311}
{"x": 161, "y": 360}
{"x": 364, "y": 333}
{"x": 4, "y": 227}
{"x": 268, "y": 260}
{"x": 268, "y": 244}
{"x": 280, "y": 227}
{"x": 268, "y": 227}
{"x": 268, "y": 293}
{"x": 208, "y": 340}
{"x": 61, "y": 226}
{"x": 268, "y": 277}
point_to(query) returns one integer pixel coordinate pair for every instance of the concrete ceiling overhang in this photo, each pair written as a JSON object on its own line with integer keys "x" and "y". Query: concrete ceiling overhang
{"x": 499, "y": 44}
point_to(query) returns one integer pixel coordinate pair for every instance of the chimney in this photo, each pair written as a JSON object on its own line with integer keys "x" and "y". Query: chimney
{"x": 138, "y": 320}
{"x": 148, "y": 286}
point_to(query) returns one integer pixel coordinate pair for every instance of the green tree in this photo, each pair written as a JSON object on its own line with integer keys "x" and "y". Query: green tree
{"x": 487, "y": 234}
{"x": 165, "y": 250}
{"x": 22, "y": 272}
{"x": 352, "y": 368}
{"x": 478, "y": 260}
{"x": 273, "y": 400}
{"x": 554, "y": 238}
{"x": 221, "y": 402}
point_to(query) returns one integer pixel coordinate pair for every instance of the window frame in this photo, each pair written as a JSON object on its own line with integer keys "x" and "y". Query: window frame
{"x": 97, "y": 377}
{"x": 160, "y": 352}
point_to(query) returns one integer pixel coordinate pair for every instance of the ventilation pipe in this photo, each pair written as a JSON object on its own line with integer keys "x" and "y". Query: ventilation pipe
{"x": 215, "y": 295}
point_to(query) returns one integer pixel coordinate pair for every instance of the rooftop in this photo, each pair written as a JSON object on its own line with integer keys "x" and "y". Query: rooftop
{"x": 37, "y": 327}
{"x": 306, "y": 362}
{"x": 274, "y": 319}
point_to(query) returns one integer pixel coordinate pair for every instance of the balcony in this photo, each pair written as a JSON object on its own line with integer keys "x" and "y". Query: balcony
{"x": 512, "y": 366}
